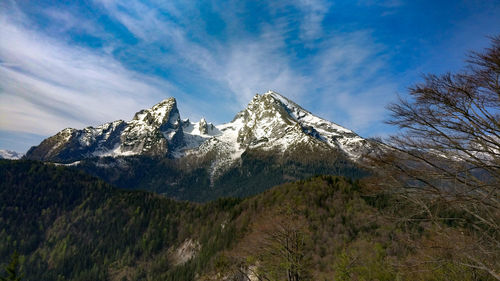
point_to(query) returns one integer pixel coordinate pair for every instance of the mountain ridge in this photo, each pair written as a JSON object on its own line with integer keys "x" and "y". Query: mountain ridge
{"x": 271, "y": 141}
{"x": 150, "y": 132}
{"x": 10, "y": 154}
{"x": 270, "y": 121}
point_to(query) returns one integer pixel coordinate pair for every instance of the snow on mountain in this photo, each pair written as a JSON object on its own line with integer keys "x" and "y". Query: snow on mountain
{"x": 273, "y": 122}
{"x": 194, "y": 134}
{"x": 153, "y": 131}
{"x": 270, "y": 122}
{"x": 334, "y": 135}
{"x": 149, "y": 132}
{"x": 9, "y": 154}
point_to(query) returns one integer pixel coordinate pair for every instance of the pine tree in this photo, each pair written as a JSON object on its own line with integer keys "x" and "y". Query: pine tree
{"x": 12, "y": 269}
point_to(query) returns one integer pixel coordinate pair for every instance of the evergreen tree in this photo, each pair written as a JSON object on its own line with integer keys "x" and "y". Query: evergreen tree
{"x": 11, "y": 269}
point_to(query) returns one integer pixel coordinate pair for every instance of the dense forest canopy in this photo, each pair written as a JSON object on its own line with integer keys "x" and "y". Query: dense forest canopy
{"x": 69, "y": 226}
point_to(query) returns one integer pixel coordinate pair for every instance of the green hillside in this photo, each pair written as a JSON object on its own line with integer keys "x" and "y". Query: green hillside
{"x": 190, "y": 179}
{"x": 67, "y": 225}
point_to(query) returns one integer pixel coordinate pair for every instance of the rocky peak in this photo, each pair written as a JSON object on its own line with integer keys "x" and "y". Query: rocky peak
{"x": 267, "y": 116}
{"x": 272, "y": 121}
{"x": 203, "y": 127}
{"x": 283, "y": 100}
{"x": 159, "y": 114}
{"x": 155, "y": 131}
{"x": 273, "y": 104}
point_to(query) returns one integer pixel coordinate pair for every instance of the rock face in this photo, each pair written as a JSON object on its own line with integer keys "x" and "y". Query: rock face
{"x": 270, "y": 122}
{"x": 151, "y": 132}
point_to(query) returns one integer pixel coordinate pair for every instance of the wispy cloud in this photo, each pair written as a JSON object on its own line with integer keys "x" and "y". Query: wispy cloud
{"x": 353, "y": 81}
{"x": 247, "y": 64}
{"x": 328, "y": 56}
{"x": 73, "y": 86}
{"x": 313, "y": 12}
{"x": 47, "y": 85}
{"x": 381, "y": 3}
{"x": 244, "y": 65}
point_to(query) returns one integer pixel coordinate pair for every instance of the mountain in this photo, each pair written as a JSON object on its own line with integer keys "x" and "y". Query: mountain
{"x": 272, "y": 141}
{"x": 9, "y": 154}
{"x": 273, "y": 121}
{"x": 155, "y": 132}
{"x": 67, "y": 225}
{"x": 270, "y": 122}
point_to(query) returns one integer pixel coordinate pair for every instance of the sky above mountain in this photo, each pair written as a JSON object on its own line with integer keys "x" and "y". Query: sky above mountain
{"x": 79, "y": 63}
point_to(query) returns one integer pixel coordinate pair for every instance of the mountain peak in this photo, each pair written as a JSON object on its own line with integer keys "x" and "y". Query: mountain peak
{"x": 168, "y": 102}
{"x": 159, "y": 113}
{"x": 269, "y": 122}
{"x": 9, "y": 154}
{"x": 275, "y": 95}
{"x": 203, "y": 126}
{"x": 152, "y": 131}
{"x": 277, "y": 100}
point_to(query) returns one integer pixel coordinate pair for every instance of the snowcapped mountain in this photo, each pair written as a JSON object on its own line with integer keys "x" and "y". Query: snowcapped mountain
{"x": 155, "y": 131}
{"x": 272, "y": 141}
{"x": 270, "y": 122}
{"x": 9, "y": 154}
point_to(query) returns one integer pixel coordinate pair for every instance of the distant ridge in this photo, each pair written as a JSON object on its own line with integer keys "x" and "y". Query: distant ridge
{"x": 9, "y": 154}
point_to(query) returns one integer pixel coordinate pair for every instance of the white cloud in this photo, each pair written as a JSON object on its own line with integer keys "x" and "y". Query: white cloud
{"x": 257, "y": 67}
{"x": 381, "y": 3}
{"x": 254, "y": 64}
{"x": 350, "y": 77}
{"x": 313, "y": 12}
{"x": 45, "y": 79}
{"x": 47, "y": 85}
{"x": 244, "y": 65}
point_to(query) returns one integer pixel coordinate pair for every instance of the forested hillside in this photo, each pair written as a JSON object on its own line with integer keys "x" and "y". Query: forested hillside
{"x": 190, "y": 179}
{"x": 70, "y": 226}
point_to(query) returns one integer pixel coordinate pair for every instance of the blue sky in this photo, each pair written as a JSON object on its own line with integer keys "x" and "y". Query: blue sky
{"x": 79, "y": 63}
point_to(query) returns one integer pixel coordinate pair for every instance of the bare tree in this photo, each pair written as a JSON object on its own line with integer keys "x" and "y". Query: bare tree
{"x": 283, "y": 249}
{"x": 275, "y": 250}
{"x": 446, "y": 159}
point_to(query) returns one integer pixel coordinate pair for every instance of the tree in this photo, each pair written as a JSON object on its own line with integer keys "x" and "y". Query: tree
{"x": 275, "y": 250}
{"x": 445, "y": 162}
{"x": 12, "y": 269}
{"x": 283, "y": 249}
